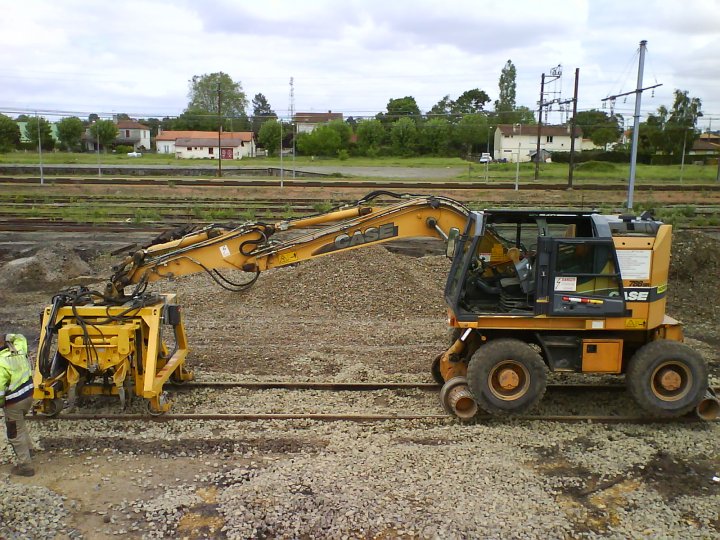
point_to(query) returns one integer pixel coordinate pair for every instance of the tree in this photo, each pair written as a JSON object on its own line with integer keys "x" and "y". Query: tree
{"x": 44, "y": 134}
{"x": 442, "y": 108}
{"x": 669, "y": 131}
{"x": 261, "y": 112}
{"x": 9, "y": 134}
{"x": 507, "y": 87}
{"x": 322, "y": 141}
{"x": 404, "y": 136}
{"x": 203, "y": 94}
{"x": 521, "y": 115}
{"x": 470, "y": 102}
{"x": 343, "y": 130}
{"x": 70, "y": 131}
{"x": 398, "y": 108}
{"x": 600, "y": 127}
{"x": 370, "y": 136}
{"x": 104, "y": 131}
{"x": 434, "y": 137}
{"x": 269, "y": 136}
{"x": 472, "y": 130}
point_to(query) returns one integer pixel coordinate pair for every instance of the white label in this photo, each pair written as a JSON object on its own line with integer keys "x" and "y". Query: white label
{"x": 597, "y": 325}
{"x": 225, "y": 251}
{"x": 566, "y": 283}
{"x": 634, "y": 263}
{"x": 486, "y": 256}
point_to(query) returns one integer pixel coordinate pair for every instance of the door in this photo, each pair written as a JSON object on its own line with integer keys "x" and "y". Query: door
{"x": 579, "y": 277}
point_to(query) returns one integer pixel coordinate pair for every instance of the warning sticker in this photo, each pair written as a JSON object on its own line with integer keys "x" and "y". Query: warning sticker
{"x": 634, "y": 323}
{"x": 634, "y": 263}
{"x": 224, "y": 251}
{"x": 487, "y": 257}
{"x": 497, "y": 251}
{"x": 566, "y": 283}
{"x": 287, "y": 258}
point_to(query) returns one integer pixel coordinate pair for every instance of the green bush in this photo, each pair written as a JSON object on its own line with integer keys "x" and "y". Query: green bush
{"x": 343, "y": 155}
{"x": 123, "y": 149}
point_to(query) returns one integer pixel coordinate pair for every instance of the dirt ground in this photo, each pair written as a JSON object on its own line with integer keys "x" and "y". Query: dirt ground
{"x": 369, "y": 315}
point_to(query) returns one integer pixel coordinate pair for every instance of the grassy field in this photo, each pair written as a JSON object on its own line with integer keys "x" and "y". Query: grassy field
{"x": 596, "y": 171}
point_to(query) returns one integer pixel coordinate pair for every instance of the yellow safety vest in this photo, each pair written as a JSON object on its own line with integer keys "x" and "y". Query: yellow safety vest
{"x": 15, "y": 371}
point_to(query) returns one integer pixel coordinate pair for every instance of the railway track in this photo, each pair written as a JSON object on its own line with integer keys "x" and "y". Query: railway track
{"x": 360, "y": 416}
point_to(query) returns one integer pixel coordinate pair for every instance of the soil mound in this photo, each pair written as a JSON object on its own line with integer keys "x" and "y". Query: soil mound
{"x": 48, "y": 268}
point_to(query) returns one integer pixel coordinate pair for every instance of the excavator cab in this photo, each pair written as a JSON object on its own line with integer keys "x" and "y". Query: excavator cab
{"x": 528, "y": 263}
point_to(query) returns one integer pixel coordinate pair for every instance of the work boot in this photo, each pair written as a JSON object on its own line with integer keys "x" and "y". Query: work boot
{"x": 23, "y": 469}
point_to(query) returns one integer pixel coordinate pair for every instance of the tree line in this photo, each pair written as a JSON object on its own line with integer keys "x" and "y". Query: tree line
{"x": 457, "y": 126}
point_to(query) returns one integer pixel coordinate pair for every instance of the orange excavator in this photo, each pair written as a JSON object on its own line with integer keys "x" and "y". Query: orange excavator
{"x": 528, "y": 291}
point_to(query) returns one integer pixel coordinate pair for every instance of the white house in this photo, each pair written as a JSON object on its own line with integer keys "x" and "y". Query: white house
{"x": 130, "y": 133}
{"x": 515, "y": 142}
{"x": 133, "y": 134}
{"x": 307, "y": 122}
{"x": 204, "y": 144}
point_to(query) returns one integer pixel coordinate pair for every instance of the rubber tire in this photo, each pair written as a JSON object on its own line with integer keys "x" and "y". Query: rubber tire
{"x": 646, "y": 360}
{"x": 435, "y": 370}
{"x": 499, "y": 350}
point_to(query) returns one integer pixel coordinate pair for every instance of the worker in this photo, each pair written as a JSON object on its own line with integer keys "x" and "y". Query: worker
{"x": 16, "y": 395}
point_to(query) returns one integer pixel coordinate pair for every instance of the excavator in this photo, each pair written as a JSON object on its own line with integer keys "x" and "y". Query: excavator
{"x": 528, "y": 291}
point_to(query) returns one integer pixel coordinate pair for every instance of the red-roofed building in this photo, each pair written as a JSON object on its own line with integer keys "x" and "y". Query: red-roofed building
{"x": 189, "y": 144}
{"x": 130, "y": 133}
{"x": 307, "y": 122}
{"x": 133, "y": 134}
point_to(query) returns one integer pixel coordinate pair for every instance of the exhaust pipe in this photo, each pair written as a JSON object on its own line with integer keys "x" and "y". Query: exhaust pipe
{"x": 709, "y": 406}
{"x": 457, "y": 400}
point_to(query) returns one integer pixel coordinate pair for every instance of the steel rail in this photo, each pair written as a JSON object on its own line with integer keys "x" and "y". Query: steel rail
{"x": 335, "y": 417}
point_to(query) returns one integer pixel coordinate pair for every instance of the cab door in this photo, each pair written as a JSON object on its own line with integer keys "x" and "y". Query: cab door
{"x": 578, "y": 277}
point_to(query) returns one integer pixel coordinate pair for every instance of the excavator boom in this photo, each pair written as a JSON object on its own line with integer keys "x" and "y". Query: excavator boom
{"x": 112, "y": 342}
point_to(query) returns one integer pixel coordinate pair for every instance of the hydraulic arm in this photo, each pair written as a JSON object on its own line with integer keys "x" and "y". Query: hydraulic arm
{"x": 117, "y": 342}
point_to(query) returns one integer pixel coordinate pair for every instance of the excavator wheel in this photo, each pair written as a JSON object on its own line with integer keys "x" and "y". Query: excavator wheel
{"x": 667, "y": 378}
{"x": 506, "y": 376}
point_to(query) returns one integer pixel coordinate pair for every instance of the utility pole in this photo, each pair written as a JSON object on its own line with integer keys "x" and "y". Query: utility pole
{"x": 555, "y": 74}
{"x": 539, "y": 129}
{"x": 219, "y": 95}
{"x": 572, "y": 130}
{"x": 636, "y": 124}
{"x": 282, "y": 170}
{"x": 292, "y": 121}
{"x": 42, "y": 178}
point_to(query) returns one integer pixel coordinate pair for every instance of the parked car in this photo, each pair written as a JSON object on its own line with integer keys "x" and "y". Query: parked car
{"x": 485, "y": 158}
{"x": 134, "y": 154}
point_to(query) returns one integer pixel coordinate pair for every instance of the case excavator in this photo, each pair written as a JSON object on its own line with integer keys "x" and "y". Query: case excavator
{"x": 528, "y": 292}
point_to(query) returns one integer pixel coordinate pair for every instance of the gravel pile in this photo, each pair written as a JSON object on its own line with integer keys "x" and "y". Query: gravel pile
{"x": 430, "y": 479}
{"x": 51, "y": 267}
{"x": 28, "y": 511}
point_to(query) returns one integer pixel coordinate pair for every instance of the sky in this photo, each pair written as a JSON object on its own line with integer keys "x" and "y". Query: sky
{"x": 352, "y": 56}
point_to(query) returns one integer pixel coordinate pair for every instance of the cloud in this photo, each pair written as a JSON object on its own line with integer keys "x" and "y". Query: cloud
{"x": 348, "y": 56}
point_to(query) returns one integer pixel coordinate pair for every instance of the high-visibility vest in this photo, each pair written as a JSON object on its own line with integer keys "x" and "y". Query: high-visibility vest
{"x": 15, "y": 371}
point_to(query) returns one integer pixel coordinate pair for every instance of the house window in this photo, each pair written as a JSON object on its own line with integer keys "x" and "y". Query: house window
{"x": 127, "y": 133}
{"x": 549, "y": 138}
{"x": 189, "y": 148}
{"x": 211, "y": 150}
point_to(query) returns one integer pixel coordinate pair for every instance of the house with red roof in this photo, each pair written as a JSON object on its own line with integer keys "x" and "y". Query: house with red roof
{"x": 307, "y": 122}
{"x": 189, "y": 144}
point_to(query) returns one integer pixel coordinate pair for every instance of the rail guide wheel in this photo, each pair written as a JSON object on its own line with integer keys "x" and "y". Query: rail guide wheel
{"x": 507, "y": 376}
{"x": 667, "y": 378}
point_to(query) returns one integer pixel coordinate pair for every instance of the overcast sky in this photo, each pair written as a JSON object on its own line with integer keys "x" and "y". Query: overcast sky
{"x": 351, "y": 56}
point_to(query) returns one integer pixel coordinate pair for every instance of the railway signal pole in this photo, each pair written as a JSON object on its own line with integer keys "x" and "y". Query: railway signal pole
{"x": 636, "y": 123}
